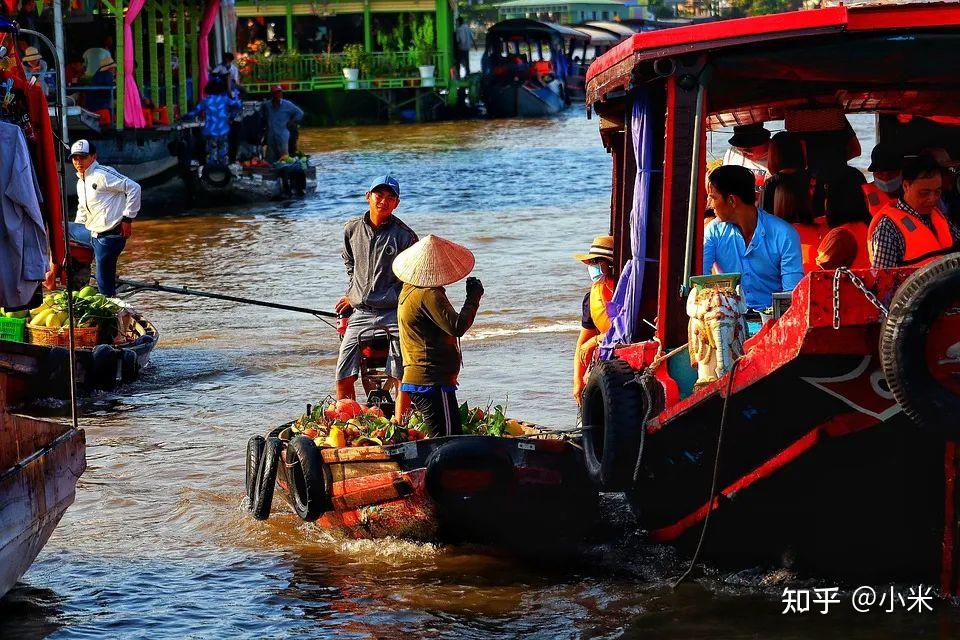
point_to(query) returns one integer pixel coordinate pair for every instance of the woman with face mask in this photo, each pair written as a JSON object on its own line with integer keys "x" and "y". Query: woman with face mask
{"x": 595, "y": 321}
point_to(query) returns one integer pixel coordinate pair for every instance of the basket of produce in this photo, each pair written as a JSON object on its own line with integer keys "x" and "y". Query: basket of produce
{"x": 95, "y": 319}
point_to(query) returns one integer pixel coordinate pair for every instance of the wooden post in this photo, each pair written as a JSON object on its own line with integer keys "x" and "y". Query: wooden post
{"x": 367, "y": 33}
{"x": 151, "y": 18}
{"x": 196, "y": 15}
{"x": 444, "y": 34}
{"x": 182, "y": 56}
{"x": 138, "y": 47}
{"x": 291, "y": 41}
{"x": 166, "y": 7}
{"x": 117, "y": 11}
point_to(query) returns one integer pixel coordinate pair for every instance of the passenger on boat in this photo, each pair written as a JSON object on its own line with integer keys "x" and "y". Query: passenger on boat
{"x": 371, "y": 243}
{"x": 750, "y": 148}
{"x": 847, "y": 216}
{"x": 101, "y": 101}
{"x": 909, "y": 230}
{"x": 786, "y": 165}
{"x": 280, "y": 114}
{"x": 595, "y": 322}
{"x": 218, "y": 108}
{"x": 792, "y": 203}
{"x": 885, "y": 161}
{"x": 107, "y": 203}
{"x": 764, "y": 249}
{"x": 430, "y": 329}
{"x": 228, "y": 73}
{"x": 34, "y": 66}
{"x": 950, "y": 200}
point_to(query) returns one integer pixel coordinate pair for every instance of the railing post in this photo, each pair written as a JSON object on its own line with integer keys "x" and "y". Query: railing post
{"x": 138, "y": 48}
{"x": 291, "y": 41}
{"x": 121, "y": 71}
{"x": 367, "y": 33}
{"x": 195, "y": 17}
{"x": 167, "y": 7}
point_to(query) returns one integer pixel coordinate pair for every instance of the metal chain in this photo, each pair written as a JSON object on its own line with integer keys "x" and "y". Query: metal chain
{"x": 858, "y": 284}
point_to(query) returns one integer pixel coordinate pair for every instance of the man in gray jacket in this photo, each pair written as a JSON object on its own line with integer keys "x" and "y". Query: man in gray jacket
{"x": 370, "y": 244}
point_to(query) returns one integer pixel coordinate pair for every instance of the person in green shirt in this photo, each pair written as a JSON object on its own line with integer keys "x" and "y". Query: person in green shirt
{"x": 430, "y": 329}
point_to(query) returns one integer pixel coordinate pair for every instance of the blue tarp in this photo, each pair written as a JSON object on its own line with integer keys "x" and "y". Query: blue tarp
{"x": 624, "y": 308}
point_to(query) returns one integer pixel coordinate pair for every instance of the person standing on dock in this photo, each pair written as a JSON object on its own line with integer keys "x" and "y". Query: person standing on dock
{"x": 107, "y": 203}
{"x": 280, "y": 114}
{"x": 371, "y": 242}
{"x": 465, "y": 43}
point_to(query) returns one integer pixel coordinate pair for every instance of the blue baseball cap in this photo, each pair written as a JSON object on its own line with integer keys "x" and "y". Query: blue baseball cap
{"x": 386, "y": 181}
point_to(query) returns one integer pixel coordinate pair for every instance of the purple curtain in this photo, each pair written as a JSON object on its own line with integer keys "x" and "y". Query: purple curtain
{"x": 132, "y": 108}
{"x": 624, "y": 308}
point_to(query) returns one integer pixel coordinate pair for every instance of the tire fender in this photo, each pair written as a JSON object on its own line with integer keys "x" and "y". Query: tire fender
{"x": 254, "y": 454}
{"x": 613, "y": 414}
{"x": 266, "y": 478}
{"x": 468, "y": 454}
{"x": 129, "y": 365}
{"x": 928, "y": 299}
{"x": 311, "y": 483}
{"x": 104, "y": 367}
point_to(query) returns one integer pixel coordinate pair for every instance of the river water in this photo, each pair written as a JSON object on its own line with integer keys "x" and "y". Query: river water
{"x": 158, "y": 544}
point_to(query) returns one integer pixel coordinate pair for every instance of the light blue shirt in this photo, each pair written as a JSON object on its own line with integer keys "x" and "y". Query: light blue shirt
{"x": 770, "y": 264}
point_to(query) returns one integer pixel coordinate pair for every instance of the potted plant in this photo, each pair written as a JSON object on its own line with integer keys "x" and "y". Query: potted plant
{"x": 354, "y": 59}
{"x": 424, "y": 48}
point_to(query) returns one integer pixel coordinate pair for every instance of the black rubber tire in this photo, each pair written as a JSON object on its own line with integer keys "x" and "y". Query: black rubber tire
{"x": 104, "y": 367}
{"x": 254, "y": 454}
{"x": 129, "y": 365}
{"x": 266, "y": 478}
{"x": 921, "y": 299}
{"x": 469, "y": 453}
{"x": 310, "y": 488}
{"x": 613, "y": 412}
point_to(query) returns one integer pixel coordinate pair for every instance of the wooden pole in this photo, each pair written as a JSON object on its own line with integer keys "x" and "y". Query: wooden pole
{"x": 291, "y": 41}
{"x": 117, "y": 10}
{"x": 166, "y": 7}
{"x": 138, "y": 47}
{"x": 151, "y": 17}
{"x": 182, "y": 55}
{"x": 367, "y": 33}
{"x": 195, "y": 17}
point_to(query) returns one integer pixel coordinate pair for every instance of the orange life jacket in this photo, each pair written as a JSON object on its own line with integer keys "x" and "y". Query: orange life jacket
{"x": 810, "y": 236}
{"x": 876, "y": 197}
{"x": 600, "y": 294}
{"x": 917, "y": 236}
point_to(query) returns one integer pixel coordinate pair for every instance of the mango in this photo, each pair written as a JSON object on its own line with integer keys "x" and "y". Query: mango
{"x": 336, "y": 438}
{"x": 513, "y": 427}
{"x": 37, "y": 310}
{"x": 88, "y": 291}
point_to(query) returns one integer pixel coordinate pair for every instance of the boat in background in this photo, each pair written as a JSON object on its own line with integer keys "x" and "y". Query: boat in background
{"x": 525, "y": 66}
{"x": 40, "y": 462}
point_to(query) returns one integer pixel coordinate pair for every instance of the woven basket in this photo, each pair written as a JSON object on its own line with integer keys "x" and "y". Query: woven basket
{"x": 60, "y": 336}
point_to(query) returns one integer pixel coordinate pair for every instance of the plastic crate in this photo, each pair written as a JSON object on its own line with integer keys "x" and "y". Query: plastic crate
{"x": 12, "y": 329}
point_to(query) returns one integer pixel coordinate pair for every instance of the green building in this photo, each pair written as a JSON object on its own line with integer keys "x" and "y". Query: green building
{"x": 563, "y": 12}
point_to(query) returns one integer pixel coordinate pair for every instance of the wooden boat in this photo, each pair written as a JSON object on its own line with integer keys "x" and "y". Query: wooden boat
{"x": 518, "y": 78}
{"x": 40, "y": 462}
{"x": 834, "y": 439}
{"x": 456, "y": 488}
{"x": 43, "y": 370}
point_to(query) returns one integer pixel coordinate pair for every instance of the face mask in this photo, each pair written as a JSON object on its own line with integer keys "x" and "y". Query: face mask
{"x": 595, "y": 271}
{"x": 888, "y": 186}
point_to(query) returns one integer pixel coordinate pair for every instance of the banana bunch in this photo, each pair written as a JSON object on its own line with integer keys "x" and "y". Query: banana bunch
{"x": 53, "y": 313}
{"x": 23, "y": 313}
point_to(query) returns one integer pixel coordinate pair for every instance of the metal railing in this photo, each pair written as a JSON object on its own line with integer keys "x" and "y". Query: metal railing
{"x": 306, "y": 72}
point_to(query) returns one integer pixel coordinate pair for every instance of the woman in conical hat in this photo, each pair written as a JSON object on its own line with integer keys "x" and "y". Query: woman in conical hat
{"x": 595, "y": 322}
{"x": 430, "y": 328}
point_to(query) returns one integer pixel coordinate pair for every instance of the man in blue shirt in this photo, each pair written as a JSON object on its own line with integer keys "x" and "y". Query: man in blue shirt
{"x": 764, "y": 249}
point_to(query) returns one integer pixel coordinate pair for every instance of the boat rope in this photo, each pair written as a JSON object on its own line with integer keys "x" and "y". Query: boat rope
{"x": 644, "y": 380}
{"x": 713, "y": 484}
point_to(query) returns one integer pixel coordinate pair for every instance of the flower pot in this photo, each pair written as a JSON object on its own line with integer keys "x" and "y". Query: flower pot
{"x": 426, "y": 75}
{"x": 352, "y": 75}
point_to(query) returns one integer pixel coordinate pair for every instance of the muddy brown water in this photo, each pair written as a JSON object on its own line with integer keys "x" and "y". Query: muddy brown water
{"x": 158, "y": 544}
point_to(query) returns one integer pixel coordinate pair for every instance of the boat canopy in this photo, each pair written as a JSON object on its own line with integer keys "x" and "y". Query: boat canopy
{"x": 615, "y": 28}
{"x": 599, "y": 37}
{"x": 864, "y": 58}
{"x": 526, "y": 26}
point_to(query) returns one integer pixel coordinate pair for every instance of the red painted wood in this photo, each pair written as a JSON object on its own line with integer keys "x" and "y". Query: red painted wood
{"x": 949, "y": 585}
{"x": 838, "y": 426}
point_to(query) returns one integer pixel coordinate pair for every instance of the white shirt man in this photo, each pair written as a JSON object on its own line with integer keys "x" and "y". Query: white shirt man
{"x": 107, "y": 203}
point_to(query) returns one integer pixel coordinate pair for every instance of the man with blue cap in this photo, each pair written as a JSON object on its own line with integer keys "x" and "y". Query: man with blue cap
{"x": 370, "y": 244}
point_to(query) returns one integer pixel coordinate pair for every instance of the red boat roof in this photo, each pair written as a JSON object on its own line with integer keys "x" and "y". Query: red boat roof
{"x": 728, "y": 33}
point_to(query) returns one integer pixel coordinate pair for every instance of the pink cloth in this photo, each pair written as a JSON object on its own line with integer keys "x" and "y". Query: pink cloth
{"x": 210, "y": 12}
{"x": 132, "y": 107}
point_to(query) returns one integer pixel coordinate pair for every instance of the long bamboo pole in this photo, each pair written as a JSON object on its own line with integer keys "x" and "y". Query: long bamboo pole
{"x": 151, "y": 9}
{"x": 168, "y": 102}
{"x": 182, "y": 55}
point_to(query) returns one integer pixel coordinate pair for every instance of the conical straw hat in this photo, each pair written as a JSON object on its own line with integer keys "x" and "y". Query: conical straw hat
{"x": 433, "y": 262}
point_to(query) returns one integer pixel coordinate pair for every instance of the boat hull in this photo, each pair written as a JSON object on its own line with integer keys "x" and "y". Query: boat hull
{"x": 40, "y": 462}
{"x": 458, "y": 489}
{"x": 40, "y": 371}
{"x": 521, "y": 100}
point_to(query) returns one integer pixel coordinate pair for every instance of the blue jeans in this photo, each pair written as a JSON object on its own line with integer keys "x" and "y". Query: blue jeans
{"x": 106, "y": 251}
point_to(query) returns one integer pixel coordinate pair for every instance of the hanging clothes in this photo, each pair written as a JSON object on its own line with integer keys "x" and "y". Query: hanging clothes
{"x": 23, "y": 236}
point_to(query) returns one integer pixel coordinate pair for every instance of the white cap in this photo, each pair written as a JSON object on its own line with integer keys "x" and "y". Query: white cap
{"x": 81, "y": 147}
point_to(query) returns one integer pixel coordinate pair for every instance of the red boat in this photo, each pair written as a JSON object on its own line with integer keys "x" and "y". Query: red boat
{"x": 449, "y": 489}
{"x": 834, "y": 438}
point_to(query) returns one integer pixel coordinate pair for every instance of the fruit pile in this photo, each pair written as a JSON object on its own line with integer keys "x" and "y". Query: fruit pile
{"x": 489, "y": 422}
{"x": 90, "y": 308}
{"x": 347, "y": 423}
{"x": 297, "y": 162}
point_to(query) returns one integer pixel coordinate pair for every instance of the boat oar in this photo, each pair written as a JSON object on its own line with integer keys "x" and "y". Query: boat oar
{"x": 156, "y": 286}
